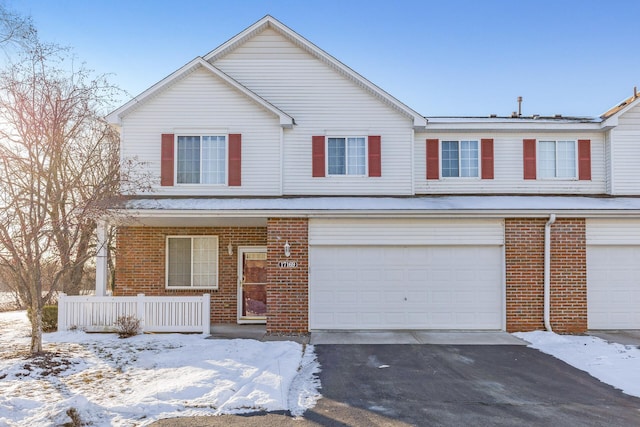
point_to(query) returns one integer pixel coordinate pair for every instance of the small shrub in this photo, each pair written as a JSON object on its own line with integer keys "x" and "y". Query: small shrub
{"x": 49, "y": 318}
{"x": 127, "y": 326}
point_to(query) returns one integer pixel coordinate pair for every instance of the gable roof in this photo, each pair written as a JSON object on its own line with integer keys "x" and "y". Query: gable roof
{"x": 268, "y": 21}
{"x": 611, "y": 116}
{"x": 115, "y": 117}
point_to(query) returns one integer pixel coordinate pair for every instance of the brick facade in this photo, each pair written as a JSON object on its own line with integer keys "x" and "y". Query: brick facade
{"x": 141, "y": 255}
{"x": 569, "y": 275}
{"x": 288, "y": 288}
{"x": 524, "y": 259}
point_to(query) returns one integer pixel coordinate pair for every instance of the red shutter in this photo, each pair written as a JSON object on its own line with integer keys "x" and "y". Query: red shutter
{"x": 317, "y": 152}
{"x": 529, "y": 158}
{"x": 487, "y": 158}
{"x": 375, "y": 156}
{"x": 433, "y": 161}
{"x": 584, "y": 159}
{"x": 235, "y": 159}
{"x": 166, "y": 160}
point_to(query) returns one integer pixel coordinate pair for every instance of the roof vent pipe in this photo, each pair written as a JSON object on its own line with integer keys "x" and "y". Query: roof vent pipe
{"x": 547, "y": 272}
{"x": 519, "y": 106}
{"x": 635, "y": 92}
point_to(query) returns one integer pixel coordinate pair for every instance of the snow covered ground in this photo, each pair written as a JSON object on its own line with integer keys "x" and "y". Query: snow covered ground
{"x": 108, "y": 381}
{"x": 614, "y": 364}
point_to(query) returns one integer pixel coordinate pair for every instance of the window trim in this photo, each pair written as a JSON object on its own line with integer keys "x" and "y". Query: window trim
{"x": 346, "y": 175}
{"x": 191, "y": 237}
{"x": 479, "y": 159}
{"x": 200, "y": 135}
{"x": 576, "y": 166}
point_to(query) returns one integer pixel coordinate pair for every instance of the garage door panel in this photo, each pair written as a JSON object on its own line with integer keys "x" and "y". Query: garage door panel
{"x": 613, "y": 286}
{"x": 407, "y": 287}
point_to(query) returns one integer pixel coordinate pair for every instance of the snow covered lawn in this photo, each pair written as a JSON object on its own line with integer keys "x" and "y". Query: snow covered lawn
{"x": 124, "y": 382}
{"x": 614, "y": 364}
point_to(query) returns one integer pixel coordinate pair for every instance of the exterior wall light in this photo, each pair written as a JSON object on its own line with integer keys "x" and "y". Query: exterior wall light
{"x": 230, "y": 249}
{"x": 287, "y": 249}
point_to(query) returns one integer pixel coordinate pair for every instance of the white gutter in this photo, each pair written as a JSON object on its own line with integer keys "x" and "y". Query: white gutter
{"x": 547, "y": 272}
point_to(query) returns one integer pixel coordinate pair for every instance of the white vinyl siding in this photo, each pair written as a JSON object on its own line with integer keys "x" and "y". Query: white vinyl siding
{"x": 323, "y": 102}
{"x": 508, "y": 166}
{"x": 202, "y": 104}
{"x": 625, "y": 154}
{"x": 406, "y": 232}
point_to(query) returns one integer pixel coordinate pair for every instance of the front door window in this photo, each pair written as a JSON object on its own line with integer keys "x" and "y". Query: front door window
{"x": 254, "y": 285}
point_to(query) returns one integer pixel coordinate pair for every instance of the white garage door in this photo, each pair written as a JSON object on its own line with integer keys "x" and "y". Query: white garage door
{"x": 613, "y": 287}
{"x": 406, "y": 287}
{"x": 613, "y": 273}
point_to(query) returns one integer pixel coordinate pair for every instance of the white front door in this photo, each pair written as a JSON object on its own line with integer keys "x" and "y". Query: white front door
{"x": 252, "y": 284}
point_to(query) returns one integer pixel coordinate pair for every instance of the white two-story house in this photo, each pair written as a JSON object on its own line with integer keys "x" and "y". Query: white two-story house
{"x": 299, "y": 194}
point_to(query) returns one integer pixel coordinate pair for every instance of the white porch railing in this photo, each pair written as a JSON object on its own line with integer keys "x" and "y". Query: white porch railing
{"x": 156, "y": 313}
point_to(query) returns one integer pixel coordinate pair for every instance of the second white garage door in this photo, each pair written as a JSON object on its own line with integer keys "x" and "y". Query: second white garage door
{"x": 613, "y": 273}
{"x": 406, "y": 287}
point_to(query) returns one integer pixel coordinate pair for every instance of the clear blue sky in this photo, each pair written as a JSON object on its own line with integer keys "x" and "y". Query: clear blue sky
{"x": 449, "y": 57}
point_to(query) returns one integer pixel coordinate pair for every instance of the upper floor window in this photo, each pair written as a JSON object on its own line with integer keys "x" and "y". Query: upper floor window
{"x": 460, "y": 158}
{"x": 557, "y": 159}
{"x": 192, "y": 262}
{"x": 346, "y": 156}
{"x": 202, "y": 159}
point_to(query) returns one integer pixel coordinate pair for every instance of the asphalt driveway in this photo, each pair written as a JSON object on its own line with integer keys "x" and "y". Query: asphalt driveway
{"x": 448, "y": 385}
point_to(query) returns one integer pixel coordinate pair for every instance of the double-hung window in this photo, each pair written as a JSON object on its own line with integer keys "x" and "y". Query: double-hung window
{"x": 346, "y": 156}
{"x": 557, "y": 159}
{"x": 460, "y": 158}
{"x": 201, "y": 159}
{"x": 192, "y": 262}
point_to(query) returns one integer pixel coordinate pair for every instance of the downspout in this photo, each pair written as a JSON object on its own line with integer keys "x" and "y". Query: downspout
{"x": 547, "y": 272}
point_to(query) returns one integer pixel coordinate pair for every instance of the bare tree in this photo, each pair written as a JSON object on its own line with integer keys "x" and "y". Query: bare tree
{"x": 59, "y": 169}
{"x": 15, "y": 29}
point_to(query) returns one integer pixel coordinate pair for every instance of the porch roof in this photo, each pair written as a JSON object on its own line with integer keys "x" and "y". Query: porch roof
{"x": 255, "y": 211}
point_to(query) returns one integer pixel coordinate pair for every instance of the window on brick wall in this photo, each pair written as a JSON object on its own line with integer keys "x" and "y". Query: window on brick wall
{"x": 192, "y": 262}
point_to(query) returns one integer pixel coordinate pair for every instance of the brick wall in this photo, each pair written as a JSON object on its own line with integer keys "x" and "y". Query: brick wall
{"x": 524, "y": 253}
{"x": 288, "y": 287}
{"x": 569, "y": 275}
{"x": 140, "y": 263}
{"x": 524, "y": 258}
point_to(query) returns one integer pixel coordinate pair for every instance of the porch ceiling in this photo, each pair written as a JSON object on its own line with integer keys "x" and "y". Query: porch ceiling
{"x": 196, "y": 221}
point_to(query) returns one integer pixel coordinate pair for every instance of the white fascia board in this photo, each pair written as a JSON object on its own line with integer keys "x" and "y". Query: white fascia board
{"x": 532, "y": 125}
{"x": 115, "y": 117}
{"x": 476, "y": 213}
{"x": 419, "y": 122}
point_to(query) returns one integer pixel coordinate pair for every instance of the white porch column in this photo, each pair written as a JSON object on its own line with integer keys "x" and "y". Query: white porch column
{"x": 101, "y": 259}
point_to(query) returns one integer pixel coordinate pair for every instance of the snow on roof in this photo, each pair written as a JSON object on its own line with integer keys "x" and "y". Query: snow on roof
{"x": 394, "y": 204}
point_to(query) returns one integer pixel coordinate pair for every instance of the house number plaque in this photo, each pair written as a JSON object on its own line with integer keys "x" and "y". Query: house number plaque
{"x": 288, "y": 264}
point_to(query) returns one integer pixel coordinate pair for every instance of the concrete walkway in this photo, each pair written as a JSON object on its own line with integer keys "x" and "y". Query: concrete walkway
{"x": 258, "y": 332}
{"x": 625, "y": 337}
{"x": 416, "y": 337}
